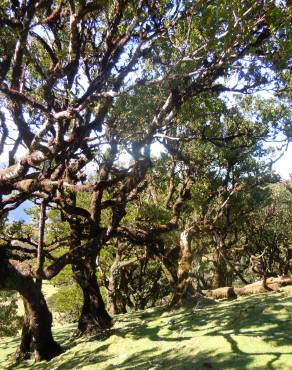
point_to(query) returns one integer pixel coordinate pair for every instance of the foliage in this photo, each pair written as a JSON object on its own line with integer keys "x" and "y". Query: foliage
{"x": 84, "y": 83}
{"x": 271, "y": 231}
{"x": 10, "y": 322}
{"x": 64, "y": 278}
{"x": 67, "y": 302}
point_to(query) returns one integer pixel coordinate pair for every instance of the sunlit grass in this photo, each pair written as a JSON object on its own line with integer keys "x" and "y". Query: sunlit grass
{"x": 248, "y": 333}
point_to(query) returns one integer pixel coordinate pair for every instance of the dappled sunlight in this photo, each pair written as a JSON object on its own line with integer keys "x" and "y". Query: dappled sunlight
{"x": 247, "y": 333}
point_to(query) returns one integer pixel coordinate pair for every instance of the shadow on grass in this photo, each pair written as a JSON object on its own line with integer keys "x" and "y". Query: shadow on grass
{"x": 261, "y": 315}
{"x": 8, "y": 347}
{"x": 265, "y": 316}
{"x": 64, "y": 335}
{"x": 143, "y": 331}
{"x": 79, "y": 360}
{"x": 8, "y": 342}
{"x": 174, "y": 360}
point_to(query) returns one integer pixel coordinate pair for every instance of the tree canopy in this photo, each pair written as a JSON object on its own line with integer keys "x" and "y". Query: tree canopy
{"x": 88, "y": 90}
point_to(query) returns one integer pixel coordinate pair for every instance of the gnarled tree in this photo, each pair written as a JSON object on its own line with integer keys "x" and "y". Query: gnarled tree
{"x": 78, "y": 76}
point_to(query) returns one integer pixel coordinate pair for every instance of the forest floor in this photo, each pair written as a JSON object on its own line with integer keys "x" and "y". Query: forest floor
{"x": 252, "y": 332}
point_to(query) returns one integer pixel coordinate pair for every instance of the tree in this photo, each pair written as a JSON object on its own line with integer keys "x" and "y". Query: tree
{"x": 77, "y": 80}
{"x": 271, "y": 235}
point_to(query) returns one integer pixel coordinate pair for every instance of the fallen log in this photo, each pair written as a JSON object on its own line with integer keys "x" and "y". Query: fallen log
{"x": 273, "y": 284}
{"x": 224, "y": 292}
{"x": 272, "y": 280}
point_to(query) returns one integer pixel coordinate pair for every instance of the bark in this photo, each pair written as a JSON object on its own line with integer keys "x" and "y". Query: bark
{"x": 40, "y": 249}
{"x": 93, "y": 318}
{"x": 223, "y": 277}
{"x": 221, "y": 272}
{"x": 265, "y": 285}
{"x": 168, "y": 269}
{"x": 184, "y": 266}
{"x": 117, "y": 305}
{"x": 25, "y": 348}
{"x": 40, "y": 320}
{"x": 116, "y": 302}
{"x": 224, "y": 292}
{"x": 272, "y": 283}
{"x": 37, "y": 334}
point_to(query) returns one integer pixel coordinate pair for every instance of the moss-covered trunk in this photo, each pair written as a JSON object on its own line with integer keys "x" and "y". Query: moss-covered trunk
{"x": 115, "y": 301}
{"x": 184, "y": 266}
{"x": 93, "y": 317}
{"x": 37, "y": 338}
{"x": 38, "y": 329}
{"x": 222, "y": 278}
{"x": 25, "y": 348}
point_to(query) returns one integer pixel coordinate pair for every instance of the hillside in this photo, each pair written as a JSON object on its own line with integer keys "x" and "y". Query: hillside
{"x": 247, "y": 333}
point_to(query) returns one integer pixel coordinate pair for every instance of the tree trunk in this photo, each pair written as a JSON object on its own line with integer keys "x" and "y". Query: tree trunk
{"x": 184, "y": 266}
{"x": 94, "y": 317}
{"x": 221, "y": 278}
{"x": 25, "y": 348}
{"x": 40, "y": 321}
{"x": 116, "y": 304}
{"x": 37, "y": 334}
{"x": 168, "y": 269}
{"x": 40, "y": 248}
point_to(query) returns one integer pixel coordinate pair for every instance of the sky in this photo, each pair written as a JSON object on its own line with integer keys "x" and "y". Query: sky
{"x": 284, "y": 166}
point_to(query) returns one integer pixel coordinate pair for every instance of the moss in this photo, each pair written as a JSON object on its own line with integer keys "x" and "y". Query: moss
{"x": 247, "y": 333}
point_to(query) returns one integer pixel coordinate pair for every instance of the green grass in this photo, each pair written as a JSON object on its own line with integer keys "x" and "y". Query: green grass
{"x": 248, "y": 333}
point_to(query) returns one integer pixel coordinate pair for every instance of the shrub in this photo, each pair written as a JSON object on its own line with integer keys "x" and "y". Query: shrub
{"x": 67, "y": 302}
{"x": 10, "y": 322}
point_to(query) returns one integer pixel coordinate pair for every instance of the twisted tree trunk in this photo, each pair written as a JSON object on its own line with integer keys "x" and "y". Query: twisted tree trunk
{"x": 93, "y": 318}
{"x": 37, "y": 335}
{"x": 116, "y": 303}
{"x": 25, "y": 348}
{"x": 221, "y": 272}
{"x": 184, "y": 267}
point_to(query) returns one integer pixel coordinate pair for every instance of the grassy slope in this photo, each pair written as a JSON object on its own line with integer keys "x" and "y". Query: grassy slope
{"x": 248, "y": 333}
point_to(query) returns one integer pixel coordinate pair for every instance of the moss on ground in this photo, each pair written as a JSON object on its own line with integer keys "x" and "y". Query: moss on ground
{"x": 248, "y": 333}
